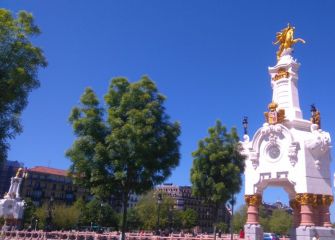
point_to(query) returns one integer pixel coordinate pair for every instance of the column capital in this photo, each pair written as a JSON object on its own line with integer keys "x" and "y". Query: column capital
{"x": 253, "y": 200}
{"x": 294, "y": 204}
{"x": 305, "y": 198}
{"x": 327, "y": 200}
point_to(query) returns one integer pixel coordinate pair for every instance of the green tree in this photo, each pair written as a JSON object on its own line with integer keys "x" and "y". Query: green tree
{"x": 280, "y": 222}
{"x": 97, "y": 213}
{"x": 29, "y": 213}
{"x": 264, "y": 217}
{"x": 133, "y": 220}
{"x": 240, "y": 218}
{"x": 189, "y": 218}
{"x": 147, "y": 211}
{"x": 217, "y": 167}
{"x": 222, "y": 226}
{"x": 40, "y": 216}
{"x": 19, "y": 64}
{"x": 133, "y": 150}
{"x": 65, "y": 217}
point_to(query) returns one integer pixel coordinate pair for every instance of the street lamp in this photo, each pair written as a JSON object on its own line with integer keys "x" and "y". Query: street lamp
{"x": 170, "y": 217}
{"x": 313, "y": 110}
{"x": 49, "y": 214}
{"x": 232, "y": 202}
{"x": 36, "y": 221}
{"x": 208, "y": 222}
{"x": 245, "y": 125}
{"x": 159, "y": 202}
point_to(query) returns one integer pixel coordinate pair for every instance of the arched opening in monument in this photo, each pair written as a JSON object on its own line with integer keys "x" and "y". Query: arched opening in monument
{"x": 271, "y": 189}
{"x": 275, "y": 213}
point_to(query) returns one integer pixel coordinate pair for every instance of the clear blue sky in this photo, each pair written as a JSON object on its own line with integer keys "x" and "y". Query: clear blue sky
{"x": 209, "y": 58}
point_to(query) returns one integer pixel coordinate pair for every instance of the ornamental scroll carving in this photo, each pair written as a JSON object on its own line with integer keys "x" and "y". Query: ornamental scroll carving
{"x": 253, "y": 200}
{"x": 272, "y": 131}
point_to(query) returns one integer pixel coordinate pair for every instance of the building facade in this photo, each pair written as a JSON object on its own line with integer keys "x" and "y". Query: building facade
{"x": 43, "y": 184}
{"x": 183, "y": 199}
{"x": 270, "y": 207}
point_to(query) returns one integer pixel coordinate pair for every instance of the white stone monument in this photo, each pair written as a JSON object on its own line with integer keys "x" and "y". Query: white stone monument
{"x": 290, "y": 152}
{"x": 12, "y": 206}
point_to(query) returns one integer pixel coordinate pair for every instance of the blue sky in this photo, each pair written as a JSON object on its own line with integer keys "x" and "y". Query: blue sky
{"x": 209, "y": 58}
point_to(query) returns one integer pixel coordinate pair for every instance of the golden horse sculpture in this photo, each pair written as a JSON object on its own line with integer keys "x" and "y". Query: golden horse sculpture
{"x": 286, "y": 40}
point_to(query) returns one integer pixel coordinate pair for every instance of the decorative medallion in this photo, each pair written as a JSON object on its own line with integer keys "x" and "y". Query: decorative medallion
{"x": 274, "y": 152}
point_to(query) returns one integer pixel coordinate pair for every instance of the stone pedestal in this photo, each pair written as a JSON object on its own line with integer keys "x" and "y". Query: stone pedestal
{"x": 307, "y": 233}
{"x": 253, "y": 232}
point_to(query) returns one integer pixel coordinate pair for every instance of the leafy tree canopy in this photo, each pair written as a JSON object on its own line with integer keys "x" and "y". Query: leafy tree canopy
{"x": 147, "y": 211}
{"x": 19, "y": 64}
{"x": 280, "y": 222}
{"x": 240, "y": 218}
{"x": 217, "y": 165}
{"x": 128, "y": 147}
{"x": 189, "y": 218}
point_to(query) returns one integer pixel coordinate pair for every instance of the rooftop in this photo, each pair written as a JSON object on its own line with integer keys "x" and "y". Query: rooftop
{"x": 47, "y": 170}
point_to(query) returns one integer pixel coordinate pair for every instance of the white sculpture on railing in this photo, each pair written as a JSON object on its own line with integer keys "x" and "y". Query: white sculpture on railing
{"x": 12, "y": 206}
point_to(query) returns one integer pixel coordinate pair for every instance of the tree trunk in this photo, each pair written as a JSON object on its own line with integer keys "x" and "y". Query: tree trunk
{"x": 215, "y": 215}
{"x": 124, "y": 215}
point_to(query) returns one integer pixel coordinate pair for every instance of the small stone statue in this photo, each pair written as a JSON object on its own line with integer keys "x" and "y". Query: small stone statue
{"x": 316, "y": 118}
{"x": 286, "y": 40}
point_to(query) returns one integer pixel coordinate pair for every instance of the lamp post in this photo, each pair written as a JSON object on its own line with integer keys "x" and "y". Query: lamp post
{"x": 49, "y": 214}
{"x": 245, "y": 125}
{"x": 232, "y": 202}
{"x": 36, "y": 221}
{"x": 313, "y": 109}
{"x": 313, "y": 113}
{"x": 170, "y": 217}
{"x": 207, "y": 221}
{"x": 159, "y": 202}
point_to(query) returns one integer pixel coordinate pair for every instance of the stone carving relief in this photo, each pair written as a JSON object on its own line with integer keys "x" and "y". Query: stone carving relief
{"x": 319, "y": 144}
{"x": 293, "y": 152}
{"x": 273, "y": 135}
